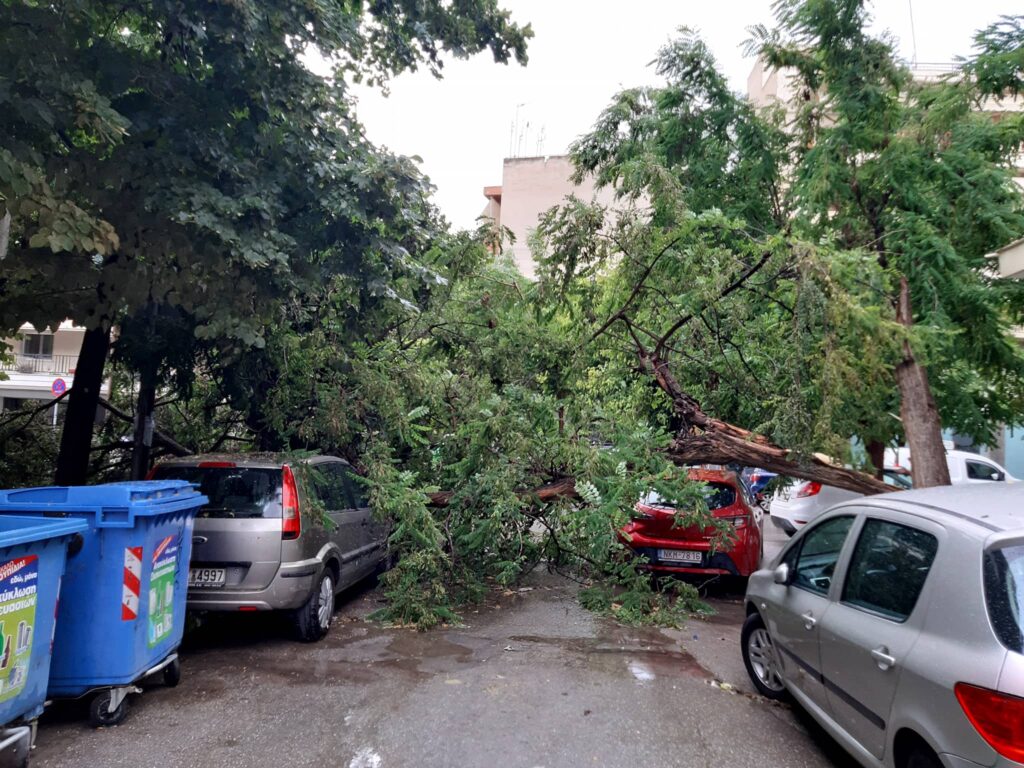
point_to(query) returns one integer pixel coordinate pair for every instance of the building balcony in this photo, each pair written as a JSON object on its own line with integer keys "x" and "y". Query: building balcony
{"x": 50, "y": 365}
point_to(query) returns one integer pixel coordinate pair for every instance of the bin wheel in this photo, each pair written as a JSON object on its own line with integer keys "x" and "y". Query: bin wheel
{"x": 172, "y": 674}
{"x": 99, "y": 714}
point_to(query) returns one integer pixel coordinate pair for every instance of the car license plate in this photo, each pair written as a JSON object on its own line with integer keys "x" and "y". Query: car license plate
{"x": 206, "y": 577}
{"x": 680, "y": 556}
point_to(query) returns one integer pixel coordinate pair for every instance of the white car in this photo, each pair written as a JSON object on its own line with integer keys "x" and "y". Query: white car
{"x": 796, "y": 505}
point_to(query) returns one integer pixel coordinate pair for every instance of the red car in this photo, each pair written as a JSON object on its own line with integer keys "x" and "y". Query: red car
{"x": 677, "y": 549}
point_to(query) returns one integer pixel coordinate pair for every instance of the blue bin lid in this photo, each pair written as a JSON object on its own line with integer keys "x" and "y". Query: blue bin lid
{"x": 15, "y": 530}
{"x": 143, "y": 497}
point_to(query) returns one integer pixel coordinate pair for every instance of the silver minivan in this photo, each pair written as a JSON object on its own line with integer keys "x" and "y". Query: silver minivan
{"x": 278, "y": 534}
{"x": 897, "y": 621}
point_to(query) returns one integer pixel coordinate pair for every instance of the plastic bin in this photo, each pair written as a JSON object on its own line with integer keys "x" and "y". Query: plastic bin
{"x": 122, "y": 612}
{"x": 32, "y": 561}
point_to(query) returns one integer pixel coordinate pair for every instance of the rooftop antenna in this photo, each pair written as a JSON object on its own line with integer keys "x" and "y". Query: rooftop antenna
{"x": 512, "y": 131}
{"x": 523, "y": 139}
{"x": 913, "y": 33}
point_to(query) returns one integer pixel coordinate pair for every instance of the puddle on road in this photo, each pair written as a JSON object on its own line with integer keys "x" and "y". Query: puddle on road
{"x": 644, "y": 652}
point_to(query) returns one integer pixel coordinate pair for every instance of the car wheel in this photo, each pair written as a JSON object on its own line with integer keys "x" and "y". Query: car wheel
{"x": 172, "y": 674}
{"x": 313, "y": 618}
{"x": 759, "y": 659}
{"x": 921, "y": 757}
{"x": 99, "y": 714}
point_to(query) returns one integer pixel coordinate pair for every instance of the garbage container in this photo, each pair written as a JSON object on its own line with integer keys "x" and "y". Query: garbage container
{"x": 32, "y": 560}
{"x": 122, "y": 612}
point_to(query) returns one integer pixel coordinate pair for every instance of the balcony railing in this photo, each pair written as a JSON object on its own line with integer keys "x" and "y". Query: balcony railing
{"x": 55, "y": 364}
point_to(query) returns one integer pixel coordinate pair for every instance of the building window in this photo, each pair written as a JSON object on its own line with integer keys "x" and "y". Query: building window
{"x": 38, "y": 345}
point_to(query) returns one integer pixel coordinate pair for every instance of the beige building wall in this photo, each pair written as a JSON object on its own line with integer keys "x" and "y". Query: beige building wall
{"x": 529, "y": 187}
{"x": 25, "y": 376}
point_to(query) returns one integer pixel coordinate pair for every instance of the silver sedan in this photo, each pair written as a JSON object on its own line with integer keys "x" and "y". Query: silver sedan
{"x": 897, "y": 622}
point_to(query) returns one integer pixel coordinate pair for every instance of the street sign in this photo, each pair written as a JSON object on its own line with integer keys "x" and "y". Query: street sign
{"x": 59, "y": 387}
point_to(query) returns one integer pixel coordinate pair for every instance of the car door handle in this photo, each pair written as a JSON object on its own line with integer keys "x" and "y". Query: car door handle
{"x": 809, "y": 621}
{"x": 199, "y": 539}
{"x": 883, "y": 659}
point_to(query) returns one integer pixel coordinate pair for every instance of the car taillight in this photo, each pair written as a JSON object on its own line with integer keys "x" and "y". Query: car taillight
{"x": 809, "y": 489}
{"x": 151, "y": 474}
{"x": 217, "y": 464}
{"x": 291, "y": 525}
{"x": 997, "y": 717}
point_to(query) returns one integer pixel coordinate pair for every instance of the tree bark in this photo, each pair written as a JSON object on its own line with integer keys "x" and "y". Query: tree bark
{"x": 876, "y": 452}
{"x": 921, "y": 423}
{"x": 144, "y": 424}
{"x": 76, "y": 439}
{"x": 705, "y": 440}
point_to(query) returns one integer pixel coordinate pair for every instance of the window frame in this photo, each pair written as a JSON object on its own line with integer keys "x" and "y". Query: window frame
{"x": 39, "y": 338}
{"x": 867, "y": 519}
{"x": 329, "y": 468}
{"x": 839, "y": 572}
{"x": 1000, "y": 475}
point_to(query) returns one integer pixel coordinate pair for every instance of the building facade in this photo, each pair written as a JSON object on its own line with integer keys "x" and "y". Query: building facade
{"x": 529, "y": 187}
{"x": 40, "y": 366}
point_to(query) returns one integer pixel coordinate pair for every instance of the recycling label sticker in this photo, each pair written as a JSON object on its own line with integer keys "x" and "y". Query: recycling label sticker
{"x": 161, "y": 591}
{"x": 19, "y": 582}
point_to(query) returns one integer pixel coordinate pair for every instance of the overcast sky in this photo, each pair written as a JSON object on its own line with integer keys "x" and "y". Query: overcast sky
{"x": 583, "y": 52}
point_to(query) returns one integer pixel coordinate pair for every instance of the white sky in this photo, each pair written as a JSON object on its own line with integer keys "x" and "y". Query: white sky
{"x": 582, "y": 53}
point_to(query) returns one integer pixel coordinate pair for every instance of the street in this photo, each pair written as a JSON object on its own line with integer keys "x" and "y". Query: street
{"x": 531, "y": 680}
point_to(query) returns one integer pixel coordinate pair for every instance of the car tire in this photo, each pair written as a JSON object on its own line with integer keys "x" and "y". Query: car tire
{"x": 759, "y": 659}
{"x": 100, "y": 717}
{"x": 921, "y": 757}
{"x": 313, "y": 618}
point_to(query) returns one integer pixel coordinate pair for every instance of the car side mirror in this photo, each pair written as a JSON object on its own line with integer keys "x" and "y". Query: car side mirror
{"x": 781, "y": 575}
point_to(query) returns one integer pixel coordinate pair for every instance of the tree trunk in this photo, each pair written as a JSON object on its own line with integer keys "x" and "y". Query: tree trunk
{"x": 921, "y": 423}
{"x": 705, "y": 440}
{"x": 76, "y": 439}
{"x": 876, "y": 452}
{"x": 144, "y": 424}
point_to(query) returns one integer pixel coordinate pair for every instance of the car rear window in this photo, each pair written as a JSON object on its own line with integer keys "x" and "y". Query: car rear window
{"x": 1004, "y": 594}
{"x": 716, "y": 496}
{"x": 241, "y": 492}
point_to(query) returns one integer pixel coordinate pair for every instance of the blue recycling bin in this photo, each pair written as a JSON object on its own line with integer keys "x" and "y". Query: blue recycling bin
{"x": 122, "y": 610}
{"x": 32, "y": 560}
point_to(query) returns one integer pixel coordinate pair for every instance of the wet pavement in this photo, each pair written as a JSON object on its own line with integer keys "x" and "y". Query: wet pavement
{"x": 532, "y": 681}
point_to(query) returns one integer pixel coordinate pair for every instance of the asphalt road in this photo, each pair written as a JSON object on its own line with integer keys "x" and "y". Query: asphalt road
{"x": 531, "y": 681}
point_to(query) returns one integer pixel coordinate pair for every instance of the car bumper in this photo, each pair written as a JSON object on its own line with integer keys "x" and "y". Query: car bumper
{"x": 290, "y": 588}
{"x": 712, "y": 564}
{"x": 784, "y": 524}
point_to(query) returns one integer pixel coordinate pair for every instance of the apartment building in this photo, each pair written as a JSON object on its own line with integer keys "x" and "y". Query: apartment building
{"x": 40, "y": 366}
{"x": 529, "y": 187}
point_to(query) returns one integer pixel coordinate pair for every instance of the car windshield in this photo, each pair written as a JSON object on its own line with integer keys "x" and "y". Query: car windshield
{"x": 716, "y": 496}
{"x": 898, "y": 480}
{"x": 1004, "y": 594}
{"x": 232, "y": 491}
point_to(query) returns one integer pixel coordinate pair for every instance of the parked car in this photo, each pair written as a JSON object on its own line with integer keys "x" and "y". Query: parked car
{"x": 758, "y": 479}
{"x": 795, "y": 506}
{"x": 278, "y": 535}
{"x": 897, "y": 622}
{"x": 670, "y": 548}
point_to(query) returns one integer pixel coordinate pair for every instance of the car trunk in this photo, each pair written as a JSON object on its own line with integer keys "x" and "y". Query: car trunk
{"x": 237, "y": 536}
{"x": 658, "y": 520}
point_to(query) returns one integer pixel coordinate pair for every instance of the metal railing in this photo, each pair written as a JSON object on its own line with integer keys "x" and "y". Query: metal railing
{"x": 55, "y": 364}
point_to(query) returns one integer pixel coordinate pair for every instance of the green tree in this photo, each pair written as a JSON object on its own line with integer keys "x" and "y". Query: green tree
{"x": 813, "y": 231}
{"x": 920, "y": 174}
{"x": 181, "y": 155}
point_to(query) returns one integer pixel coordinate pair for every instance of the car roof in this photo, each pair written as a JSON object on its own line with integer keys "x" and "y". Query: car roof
{"x": 264, "y": 459}
{"x": 703, "y": 475}
{"x": 988, "y": 508}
